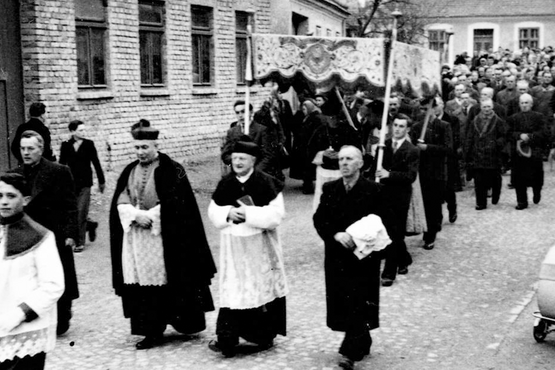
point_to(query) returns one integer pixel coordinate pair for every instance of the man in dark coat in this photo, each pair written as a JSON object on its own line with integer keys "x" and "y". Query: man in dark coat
{"x": 161, "y": 261}
{"x": 79, "y": 153}
{"x": 35, "y": 123}
{"x": 257, "y": 133}
{"x": 528, "y": 134}
{"x": 483, "y": 153}
{"x": 53, "y": 205}
{"x": 434, "y": 144}
{"x": 400, "y": 168}
{"x": 352, "y": 284}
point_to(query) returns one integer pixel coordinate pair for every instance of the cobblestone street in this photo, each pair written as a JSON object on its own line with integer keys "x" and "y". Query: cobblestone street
{"x": 466, "y": 304}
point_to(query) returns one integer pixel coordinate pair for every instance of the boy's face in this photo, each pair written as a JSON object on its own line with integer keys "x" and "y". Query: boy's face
{"x": 11, "y": 200}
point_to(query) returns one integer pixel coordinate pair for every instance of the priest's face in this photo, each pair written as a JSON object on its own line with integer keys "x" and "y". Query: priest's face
{"x": 242, "y": 163}
{"x": 11, "y": 200}
{"x": 146, "y": 150}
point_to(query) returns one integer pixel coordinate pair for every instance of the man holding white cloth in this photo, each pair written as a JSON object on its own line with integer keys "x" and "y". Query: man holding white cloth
{"x": 352, "y": 284}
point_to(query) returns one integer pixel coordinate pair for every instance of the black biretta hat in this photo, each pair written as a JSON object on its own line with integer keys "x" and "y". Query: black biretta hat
{"x": 246, "y": 145}
{"x": 143, "y": 131}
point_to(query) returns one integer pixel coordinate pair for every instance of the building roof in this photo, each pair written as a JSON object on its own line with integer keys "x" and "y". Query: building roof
{"x": 491, "y": 8}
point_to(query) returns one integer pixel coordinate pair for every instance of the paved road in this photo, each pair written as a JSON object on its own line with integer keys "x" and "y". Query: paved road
{"x": 465, "y": 305}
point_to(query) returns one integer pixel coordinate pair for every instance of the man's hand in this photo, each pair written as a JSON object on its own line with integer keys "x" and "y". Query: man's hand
{"x": 101, "y": 187}
{"x": 345, "y": 240}
{"x": 524, "y": 137}
{"x": 237, "y": 215}
{"x": 382, "y": 174}
{"x": 70, "y": 243}
{"x": 143, "y": 221}
{"x": 422, "y": 146}
{"x": 10, "y": 319}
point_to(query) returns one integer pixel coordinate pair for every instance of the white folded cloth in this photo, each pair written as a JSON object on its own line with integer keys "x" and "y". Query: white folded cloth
{"x": 369, "y": 235}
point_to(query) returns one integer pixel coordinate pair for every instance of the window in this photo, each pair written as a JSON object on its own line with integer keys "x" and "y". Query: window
{"x": 241, "y": 23}
{"x": 528, "y": 37}
{"x": 90, "y": 27}
{"x": 439, "y": 40}
{"x": 151, "y": 40}
{"x": 483, "y": 40}
{"x": 202, "y": 31}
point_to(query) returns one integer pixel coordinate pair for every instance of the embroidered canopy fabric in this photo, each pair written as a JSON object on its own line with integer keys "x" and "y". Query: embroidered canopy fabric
{"x": 321, "y": 63}
{"x": 416, "y": 70}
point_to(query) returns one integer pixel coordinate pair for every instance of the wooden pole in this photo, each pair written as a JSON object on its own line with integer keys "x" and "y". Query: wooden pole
{"x": 396, "y": 14}
{"x": 248, "y": 79}
{"x": 345, "y": 111}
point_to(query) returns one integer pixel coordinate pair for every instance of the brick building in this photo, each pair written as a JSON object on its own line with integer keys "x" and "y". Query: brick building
{"x": 177, "y": 63}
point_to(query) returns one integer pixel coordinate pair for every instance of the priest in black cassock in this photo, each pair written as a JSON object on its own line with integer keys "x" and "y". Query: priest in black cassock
{"x": 352, "y": 284}
{"x": 248, "y": 207}
{"x": 161, "y": 262}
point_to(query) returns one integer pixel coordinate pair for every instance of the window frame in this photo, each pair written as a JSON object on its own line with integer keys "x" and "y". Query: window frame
{"x": 153, "y": 31}
{"x": 206, "y": 37}
{"x": 90, "y": 24}
{"x": 241, "y": 37}
{"x": 528, "y": 40}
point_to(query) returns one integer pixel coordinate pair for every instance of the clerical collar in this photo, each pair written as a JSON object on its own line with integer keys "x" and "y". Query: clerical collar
{"x": 11, "y": 219}
{"x": 243, "y": 179}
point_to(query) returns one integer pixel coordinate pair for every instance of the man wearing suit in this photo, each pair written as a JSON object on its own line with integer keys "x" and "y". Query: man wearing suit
{"x": 352, "y": 284}
{"x": 78, "y": 154}
{"x": 434, "y": 145}
{"x": 483, "y": 148}
{"x": 400, "y": 167}
{"x": 257, "y": 133}
{"x": 53, "y": 205}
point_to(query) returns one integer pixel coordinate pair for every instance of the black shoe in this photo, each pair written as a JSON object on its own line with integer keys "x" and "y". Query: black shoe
{"x": 387, "y": 282}
{"x": 62, "y": 328}
{"x": 453, "y": 217}
{"x": 215, "y": 346}
{"x": 346, "y": 363}
{"x": 403, "y": 270}
{"x": 428, "y": 246}
{"x": 479, "y": 208}
{"x": 91, "y": 228}
{"x": 510, "y": 186}
{"x": 149, "y": 342}
{"x": 521, "y": 206}
{"x": 537, "y": 198}
{"x": 495, "y": 199}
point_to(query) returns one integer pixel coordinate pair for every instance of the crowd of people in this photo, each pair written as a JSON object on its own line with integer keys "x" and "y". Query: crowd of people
{"x": 494, "y": 114}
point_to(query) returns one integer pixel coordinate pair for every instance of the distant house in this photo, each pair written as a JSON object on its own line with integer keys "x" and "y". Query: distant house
{"x": 477, "y": 26}
{"x": 178, "y": 63}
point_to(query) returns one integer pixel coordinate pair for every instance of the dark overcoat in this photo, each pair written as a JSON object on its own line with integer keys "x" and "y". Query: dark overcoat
{"x": 54, "y": 205}
{"x": 352, "y": 285}
{"x": 484, "y": 142}
{"x": 187, "y": 256}
{"x": 527, "y": 171}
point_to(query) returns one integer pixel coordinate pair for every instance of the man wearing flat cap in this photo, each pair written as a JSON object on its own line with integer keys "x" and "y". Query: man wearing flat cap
{"x": 161, "y": 261}
{"x": 247, "y": 207}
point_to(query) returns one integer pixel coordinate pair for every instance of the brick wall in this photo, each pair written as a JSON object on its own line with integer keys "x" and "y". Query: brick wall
{"x": 191, "y": 121}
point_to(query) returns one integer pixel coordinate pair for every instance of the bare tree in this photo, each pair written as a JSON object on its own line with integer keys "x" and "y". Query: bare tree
{"x": 372, "y": 18}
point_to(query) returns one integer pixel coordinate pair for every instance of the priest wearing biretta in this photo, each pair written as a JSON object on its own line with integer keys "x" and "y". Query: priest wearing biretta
{"x": 161, "y": 261}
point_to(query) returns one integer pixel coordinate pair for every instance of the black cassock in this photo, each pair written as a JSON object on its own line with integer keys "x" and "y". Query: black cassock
{"x": 188, "y": 260}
